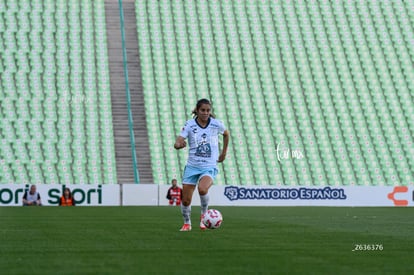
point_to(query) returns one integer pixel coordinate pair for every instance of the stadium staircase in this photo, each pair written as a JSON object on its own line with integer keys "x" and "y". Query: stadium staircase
{"x": 123, "y": 153}
{"x": 313, "y": 92}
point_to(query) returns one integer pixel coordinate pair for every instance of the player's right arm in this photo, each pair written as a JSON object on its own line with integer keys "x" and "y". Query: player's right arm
{"x": 180, "y": 143}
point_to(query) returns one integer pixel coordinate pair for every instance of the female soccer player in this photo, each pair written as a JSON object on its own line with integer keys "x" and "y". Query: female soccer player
{"x": 202, "y": 133}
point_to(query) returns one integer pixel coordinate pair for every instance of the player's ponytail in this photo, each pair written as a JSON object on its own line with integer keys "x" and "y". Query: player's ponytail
{"x": 198, "y": 106}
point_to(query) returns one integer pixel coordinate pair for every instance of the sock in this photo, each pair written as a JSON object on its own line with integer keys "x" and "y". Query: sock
{"x": 186, "y": 212}
{"x": 204, "y": 199}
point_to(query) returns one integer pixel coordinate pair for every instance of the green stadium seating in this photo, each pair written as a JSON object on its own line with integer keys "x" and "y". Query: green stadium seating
{"x": 331, "y": 80}
{"x": 55, "y": 126}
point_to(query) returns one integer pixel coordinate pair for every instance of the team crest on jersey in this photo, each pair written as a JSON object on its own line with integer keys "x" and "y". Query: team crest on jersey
{"x": 203, "y": 147}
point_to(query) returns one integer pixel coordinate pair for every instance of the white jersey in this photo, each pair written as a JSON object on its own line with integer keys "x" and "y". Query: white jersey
{"x": 203, "y": 142}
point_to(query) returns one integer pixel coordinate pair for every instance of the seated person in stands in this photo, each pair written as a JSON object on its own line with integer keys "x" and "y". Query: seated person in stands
{"x": 67, "y": 199}
{"x": 32, "y": 197}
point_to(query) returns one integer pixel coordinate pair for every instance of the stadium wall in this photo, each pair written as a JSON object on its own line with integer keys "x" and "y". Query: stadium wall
{"x": 155, "y": 195}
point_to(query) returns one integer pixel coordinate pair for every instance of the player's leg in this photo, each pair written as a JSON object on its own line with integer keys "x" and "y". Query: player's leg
{"x": 188, "y": 190}
{"x": 205, "y": 183}
{"x": 189, "y": 184}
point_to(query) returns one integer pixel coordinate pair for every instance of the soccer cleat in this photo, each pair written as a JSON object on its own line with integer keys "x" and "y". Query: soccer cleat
{"x": 186, "y": 227}
{"x": 202, "y": 225}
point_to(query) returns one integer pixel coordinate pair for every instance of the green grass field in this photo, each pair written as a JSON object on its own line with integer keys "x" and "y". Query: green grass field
{"x": 252, "y": 240}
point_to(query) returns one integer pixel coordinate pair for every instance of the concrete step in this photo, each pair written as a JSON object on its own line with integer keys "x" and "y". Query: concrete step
{"x": 118, "y": 95}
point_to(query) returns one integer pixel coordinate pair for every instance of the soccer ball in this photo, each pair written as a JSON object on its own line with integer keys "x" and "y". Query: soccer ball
{"x": 212, "y": 219}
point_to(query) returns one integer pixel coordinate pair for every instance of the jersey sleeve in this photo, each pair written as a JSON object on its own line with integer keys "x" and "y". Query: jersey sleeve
{"x": 184, "y": 130}
{"x": 222, "y": 128}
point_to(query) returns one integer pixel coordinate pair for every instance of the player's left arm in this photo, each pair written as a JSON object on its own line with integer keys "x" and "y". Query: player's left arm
{"x": 226, "y": 138}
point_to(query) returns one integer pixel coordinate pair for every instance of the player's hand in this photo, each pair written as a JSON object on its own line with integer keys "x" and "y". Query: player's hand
{"x": 183, "y": 144}
{"x": 222, "y": 157}
{"x": 180, "y": 144}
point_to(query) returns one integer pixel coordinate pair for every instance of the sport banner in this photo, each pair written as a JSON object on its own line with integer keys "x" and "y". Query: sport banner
{"x": 84, "y": 194}
{"x": 139, "y": 194}
{"x": 313, "y": 196}
{"x": 153, "y": 195}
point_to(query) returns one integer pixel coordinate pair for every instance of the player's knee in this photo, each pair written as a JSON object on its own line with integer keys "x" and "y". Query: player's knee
{"x": 186, "y": 202}
{"x": 203, "y": 191}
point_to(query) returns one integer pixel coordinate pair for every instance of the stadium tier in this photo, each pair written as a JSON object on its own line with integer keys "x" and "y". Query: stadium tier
{"x": 55, "y": 105}
{"x": 312, "y": 92}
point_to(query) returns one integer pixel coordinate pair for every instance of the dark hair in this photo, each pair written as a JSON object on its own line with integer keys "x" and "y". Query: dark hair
{"x": 198, "y": 106}
{"x": 70, "y": 193}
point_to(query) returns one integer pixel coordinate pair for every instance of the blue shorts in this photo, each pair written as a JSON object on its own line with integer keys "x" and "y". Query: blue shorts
{"x": 193, "y": 174}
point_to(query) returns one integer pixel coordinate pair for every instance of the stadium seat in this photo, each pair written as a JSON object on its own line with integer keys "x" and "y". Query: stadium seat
{"x": 289, "y": 71}
{"x": 41, "y": 102}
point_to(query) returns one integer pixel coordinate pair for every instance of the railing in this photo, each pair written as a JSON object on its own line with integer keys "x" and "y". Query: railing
{"x": 128, "y": 96}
